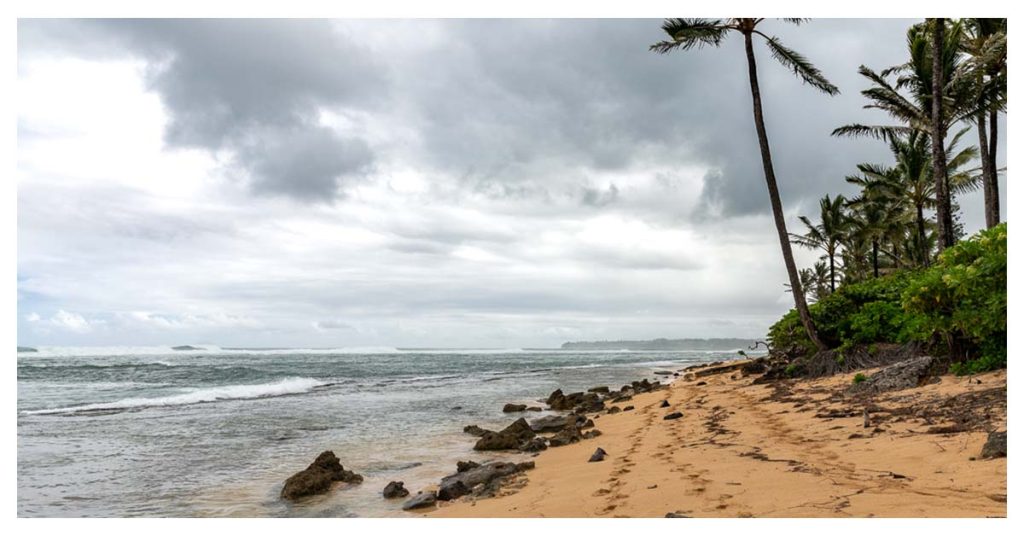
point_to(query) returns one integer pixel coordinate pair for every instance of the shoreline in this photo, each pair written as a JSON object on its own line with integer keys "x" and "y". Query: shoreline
{"x": 786, "y": 448}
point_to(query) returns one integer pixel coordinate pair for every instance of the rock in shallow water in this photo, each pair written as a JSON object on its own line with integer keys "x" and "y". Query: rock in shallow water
{"x": 423, "y": 499}
{"x": 395, "y": 490}
{"x": 513, "y": 408}
{"x": 318, "y": 477}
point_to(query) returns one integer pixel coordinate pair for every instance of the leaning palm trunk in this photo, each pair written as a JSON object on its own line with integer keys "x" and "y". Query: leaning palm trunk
{"x": 776, "y": 201}
{"x": 988, "y": 174}
{"x": 939, "y": 174}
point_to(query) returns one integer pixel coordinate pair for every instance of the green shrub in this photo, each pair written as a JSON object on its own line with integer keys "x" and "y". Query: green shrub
{"x": 859, "y": 377}
{"x": 960, "y": 300}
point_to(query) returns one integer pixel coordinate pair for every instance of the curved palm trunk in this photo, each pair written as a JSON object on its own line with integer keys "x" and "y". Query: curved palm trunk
{"x": 939, "y": 172}
{"x": 773, "y": 195}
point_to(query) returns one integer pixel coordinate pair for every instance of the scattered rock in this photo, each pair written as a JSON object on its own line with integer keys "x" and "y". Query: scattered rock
{"x": 395, "y": 490}
{"x": 663, "y": 373}
{"x": 480, "y": 480}
{"x": 551, "y": 423}
{"x": 652, "y": 486}
{"x": 672, "y": 416}
{"x": 598, "y": 455}
{"x": 318, "y": 477}
{"x": 536, "y": 444}
{"x": 510, "y": 438}
{"x": 601, "y": 389}
{"x": 590, "y": 434}
{"x": 456, "y": 408}
{"x": 676, "y": 514}
{"x": 664, "y": 404}
{"x": 628, "y": 408}
{"x": 423, "y": 499}
{"x": 589, "y": 423}
{"x": 995, "y": 446}
{"x": 513, "y": 408}
{"x": 701, "y": 383}
{"x": 613, "y": 410}
{"x": 534, "y": 408}
{"x": 462, "y": 467}
{"x": 566, "y": 436}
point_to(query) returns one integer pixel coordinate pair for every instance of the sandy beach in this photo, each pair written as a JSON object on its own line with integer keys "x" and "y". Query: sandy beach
{"x": 798, "y": 448}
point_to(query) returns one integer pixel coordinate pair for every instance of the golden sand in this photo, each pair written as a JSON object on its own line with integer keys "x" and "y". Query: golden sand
{"x": 792, "y": 449}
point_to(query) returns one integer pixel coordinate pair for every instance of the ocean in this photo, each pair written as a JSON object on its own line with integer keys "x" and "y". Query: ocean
{"x": 112, "y": 432}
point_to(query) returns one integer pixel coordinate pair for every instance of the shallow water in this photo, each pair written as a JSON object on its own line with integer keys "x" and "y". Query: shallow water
{"x": 154, "y": 432}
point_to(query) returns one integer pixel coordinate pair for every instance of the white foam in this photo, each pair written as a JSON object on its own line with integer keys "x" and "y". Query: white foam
{"x": 211, "y": 394}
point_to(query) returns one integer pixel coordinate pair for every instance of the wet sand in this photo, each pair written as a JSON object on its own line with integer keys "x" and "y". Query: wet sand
{"x": 788, "y": 449}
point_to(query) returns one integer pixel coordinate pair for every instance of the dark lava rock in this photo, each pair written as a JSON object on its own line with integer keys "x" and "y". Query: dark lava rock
{"x": 622, "y": 398}
{"x": 664, "y": 404}
{"x": 589, "y": 403}
{"x": 672, "y": 416}
{"x": 613, "y": 410}
{"x": 701, "y": 383}
{"x": 462, "y": 467}
{"x": 318, "y": 477}
{"x": 534, "y": 408}
{"x": 662, "y": 373}
{"x": 559, "y": 401}
{"x": 590, "y": 434}
{"x": 510, "y": 438}
{"x": 599, "y": 389}
{"x": 395, "y": 490}
{"x": 902, "y": 375}
{"x": 482, "y": 475}
{"x": 475, "y": 430}
{"x": 628, "y": 408}
{"x": 452, "y": 490}
{"x": 513, "y": 408}
{"x": 995, "y": 446}
{"x": 536, "y": 444}
{"x": 757, "y": 366}
{"x": 588, "y": 424}
{"x": 598, "y": 455}
{"x": 554, "y": 423}
{"x": 423, "y": 499}
{"x": 676, "y": 514}
{"x": 566, "y": 436}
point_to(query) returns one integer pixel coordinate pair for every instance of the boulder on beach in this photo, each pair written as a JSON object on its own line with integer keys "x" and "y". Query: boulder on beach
{"x": 613, "y": 410}
{"x": 628, "y": 408}
{"x": 509, "y": 438}
{"x": 590, "y": 434}
{"x": 566, "y": 436}
{"x": 552, "y": 423}
{"x": 487, "y": 476}
{"x": 995, "y": 445}
{"x": 423, "y": 499}
{"x": 318, "y": 477}
{"x": 901, "y": 375}
{"x": 395, "y": 490}
{"x": 536, "y": 444}
{"x": 599, "y": 389}
{"x": 513, "y": 408}
{"x": 664, "y": 404}
{"x": 598, "y": 455}
{"x": 672, "y": 416}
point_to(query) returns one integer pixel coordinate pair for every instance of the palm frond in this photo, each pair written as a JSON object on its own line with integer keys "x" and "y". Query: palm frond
{"x": 800, "y": 66}
{"x": 685, "y": 34}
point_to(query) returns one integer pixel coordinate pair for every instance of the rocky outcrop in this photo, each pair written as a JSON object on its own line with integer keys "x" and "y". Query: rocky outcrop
{"x": 484, "y": 479}
{"x": 318, "y": 477}
{"x": 554, "y": 423}
{"x": 395, "y": 490}
{"x": 995, "y": 446}
{"x": 566, "y": 436}
{"x": 423, "y": 499}
{"x": 510, "y": 438}
{"x": 513, "y": 408}
{"x": 536, "y": 444}
{"x": 903, "y": 375}
{"x": 603, "y": 389}
{"x": 462, "y": 467}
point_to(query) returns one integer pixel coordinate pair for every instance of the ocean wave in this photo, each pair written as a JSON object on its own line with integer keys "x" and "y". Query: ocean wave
{"x": 290, "y": 386}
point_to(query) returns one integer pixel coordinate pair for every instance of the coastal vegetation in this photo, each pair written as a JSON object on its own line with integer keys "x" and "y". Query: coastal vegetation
{"x": 895, "y": 267}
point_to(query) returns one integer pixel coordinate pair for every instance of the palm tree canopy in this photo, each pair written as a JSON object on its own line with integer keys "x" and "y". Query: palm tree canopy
{"x": 685, "y": 34}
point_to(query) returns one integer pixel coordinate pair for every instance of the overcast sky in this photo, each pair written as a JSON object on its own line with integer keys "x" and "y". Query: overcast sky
{"x": 497, "y": 183}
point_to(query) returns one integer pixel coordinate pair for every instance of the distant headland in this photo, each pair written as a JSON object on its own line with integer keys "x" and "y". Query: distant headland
{"x": 662, "y": 344}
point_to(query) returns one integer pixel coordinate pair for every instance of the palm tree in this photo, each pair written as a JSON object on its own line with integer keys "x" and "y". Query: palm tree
{"x": 827, "y": 235}
{"x": 815, "y": 281}
{"x": 918, "y": 77}
{"x": 985, "y": 46}
{"x": 943, "y": 203}
{"x": 685, "y": 34}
